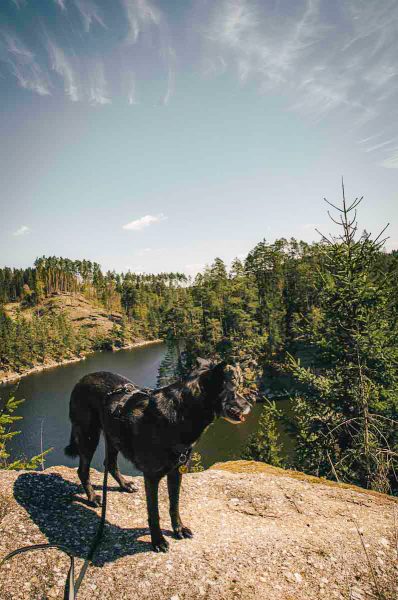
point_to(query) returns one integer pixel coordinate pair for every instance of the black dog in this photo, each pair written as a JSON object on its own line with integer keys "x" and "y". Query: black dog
{"x": 154, "y": 429}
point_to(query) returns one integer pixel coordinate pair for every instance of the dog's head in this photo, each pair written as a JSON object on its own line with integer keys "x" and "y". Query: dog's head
{"x": 223, "y": 384}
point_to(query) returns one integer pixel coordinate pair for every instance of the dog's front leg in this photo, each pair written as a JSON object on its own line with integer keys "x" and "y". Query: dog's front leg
{"x": 174, "y": 484}
{"x": 159, "y": 543}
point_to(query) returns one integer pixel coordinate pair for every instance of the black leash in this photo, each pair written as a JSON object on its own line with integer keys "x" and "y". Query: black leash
{"x": 71, "y": 586}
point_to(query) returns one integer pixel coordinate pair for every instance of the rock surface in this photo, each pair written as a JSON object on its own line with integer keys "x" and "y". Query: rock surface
{"x": 259, "y": 533}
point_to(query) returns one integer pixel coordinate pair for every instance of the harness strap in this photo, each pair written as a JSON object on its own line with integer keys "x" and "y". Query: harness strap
{"x": 125, "y": 389}
{"x": 71, "y": 587}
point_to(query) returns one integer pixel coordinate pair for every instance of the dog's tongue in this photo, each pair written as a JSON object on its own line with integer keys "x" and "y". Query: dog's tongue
{"x": 242, "y": 418}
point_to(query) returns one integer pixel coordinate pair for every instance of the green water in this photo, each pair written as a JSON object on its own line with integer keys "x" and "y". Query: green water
{"x": 45, "y": 421}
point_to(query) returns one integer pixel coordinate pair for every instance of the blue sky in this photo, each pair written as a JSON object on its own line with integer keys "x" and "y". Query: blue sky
{"x": 156, "y": 135}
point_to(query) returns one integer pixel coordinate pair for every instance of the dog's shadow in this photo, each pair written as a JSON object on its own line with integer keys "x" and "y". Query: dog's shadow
{"x": 65, "y": 519}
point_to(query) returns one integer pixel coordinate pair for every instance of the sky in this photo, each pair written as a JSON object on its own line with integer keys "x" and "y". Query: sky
{"x": 155, "y": 135}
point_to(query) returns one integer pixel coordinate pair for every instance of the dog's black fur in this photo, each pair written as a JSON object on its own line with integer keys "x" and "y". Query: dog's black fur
{"x": 154, "y": 429}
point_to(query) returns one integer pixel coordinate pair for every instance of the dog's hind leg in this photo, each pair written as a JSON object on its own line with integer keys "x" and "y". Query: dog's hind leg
{"x": 125, "y": 486}
{"x": 174, "y": 485}
{"x": 87, "y": 443}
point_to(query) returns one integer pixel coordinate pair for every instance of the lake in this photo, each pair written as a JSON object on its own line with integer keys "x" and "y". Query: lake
{"x": 46, "y": 423}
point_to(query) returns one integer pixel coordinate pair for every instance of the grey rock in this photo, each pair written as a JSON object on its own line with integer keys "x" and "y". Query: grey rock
{"x": 250, "y": 540}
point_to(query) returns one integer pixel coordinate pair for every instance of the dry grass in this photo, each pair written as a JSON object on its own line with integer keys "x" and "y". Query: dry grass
{"x": 85, "y": 315}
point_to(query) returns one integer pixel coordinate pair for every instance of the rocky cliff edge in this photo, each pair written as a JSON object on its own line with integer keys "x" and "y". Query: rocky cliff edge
{"x": 259, "y": 533}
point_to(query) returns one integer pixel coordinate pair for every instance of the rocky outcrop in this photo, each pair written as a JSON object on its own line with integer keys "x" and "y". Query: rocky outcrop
{"x": 259, "y": 533}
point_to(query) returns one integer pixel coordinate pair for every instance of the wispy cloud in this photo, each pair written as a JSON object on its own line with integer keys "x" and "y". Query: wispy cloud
{"x": 260, "y": 43}
{"x": 370, "y": 138}
{"x": 140, "y": 14}
{"x": 90, "y": 13}
{"x": 342, "y": 61}
{"x": 98, "y": 92}
{"x": 83, "y": 76}
{"x": 60, "y": 4}
{"x": 171, "y": 75}
{"x": 31, "y": 79}
{"x": 23, "y": 65}
{"x": 17, "y": 48}
{"x": 381, "y": 145}
{"x": 143, "y": 17}
{"x": 62, "y": 65}
{"x": 131, "y": 94}
{"x": 23, "y": 230}
{"x": 144, "y": 222}
{"x": 391, "y": 162}
{"x": 19, "y": 3}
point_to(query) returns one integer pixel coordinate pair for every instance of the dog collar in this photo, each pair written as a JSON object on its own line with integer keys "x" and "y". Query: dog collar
{"x": 182, "y": 453}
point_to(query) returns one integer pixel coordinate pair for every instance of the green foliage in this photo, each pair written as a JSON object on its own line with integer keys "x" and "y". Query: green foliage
{"x": 17, "y": 284}
{"x": 264, "y": 445}
{"x": 170, "y": 367}
{"x": 7, "y": 420}
{"x": 25, "y": 343}
{"x": 346, "y": 406}
{"x": 195, "y": 463}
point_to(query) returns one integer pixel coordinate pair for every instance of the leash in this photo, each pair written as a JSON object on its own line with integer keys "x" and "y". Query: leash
{"x": 71, "y": 586}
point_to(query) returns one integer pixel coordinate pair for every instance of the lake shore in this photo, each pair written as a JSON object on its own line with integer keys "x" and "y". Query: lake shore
{"x": 13, "y": 376}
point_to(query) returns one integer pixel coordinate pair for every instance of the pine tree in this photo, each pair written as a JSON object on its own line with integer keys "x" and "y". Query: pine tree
{"x": 346, "y": 408}
{"x": 7, "y": 420}
{"x": 264, "y": 445}
{"x": 170, "y": 367}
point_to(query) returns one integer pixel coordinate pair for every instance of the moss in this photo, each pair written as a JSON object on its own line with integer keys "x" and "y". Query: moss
{"x": 251, "y": 466}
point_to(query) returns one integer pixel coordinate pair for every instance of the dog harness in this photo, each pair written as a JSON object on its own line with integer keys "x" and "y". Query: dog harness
{"x": 180, "y": 451}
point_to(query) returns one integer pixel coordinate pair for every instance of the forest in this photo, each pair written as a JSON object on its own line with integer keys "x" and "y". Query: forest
{"x": 321, "y": 317}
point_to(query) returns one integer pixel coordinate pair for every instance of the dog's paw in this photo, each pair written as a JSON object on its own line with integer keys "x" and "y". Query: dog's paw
{"x": 183, "y": 532}
{"x": 96, "y": 501}
{"x": 128, "y": 487}
{"x": 160, "y": 544}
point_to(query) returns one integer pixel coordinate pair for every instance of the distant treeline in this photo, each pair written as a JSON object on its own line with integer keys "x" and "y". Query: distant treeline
{"x": 254, "y": 310}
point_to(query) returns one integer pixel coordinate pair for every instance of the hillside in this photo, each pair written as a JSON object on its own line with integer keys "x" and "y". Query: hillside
{"x": 87, "y": 317}
{"x": 94, "y": 327}
{"x": 259, "y": 533}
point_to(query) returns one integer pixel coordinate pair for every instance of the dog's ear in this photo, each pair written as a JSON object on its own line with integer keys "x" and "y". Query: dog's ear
{"x": 203, "y": 363}
{"x": 220, "y": 366}
{"x": 218, "y": 370}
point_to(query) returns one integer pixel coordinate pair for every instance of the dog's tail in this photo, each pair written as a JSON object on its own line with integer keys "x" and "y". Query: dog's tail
{"x": 72, "y": 450}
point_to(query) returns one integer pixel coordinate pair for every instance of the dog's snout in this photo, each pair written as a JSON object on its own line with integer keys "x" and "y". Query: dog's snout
{"x": 243, "y": 404}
